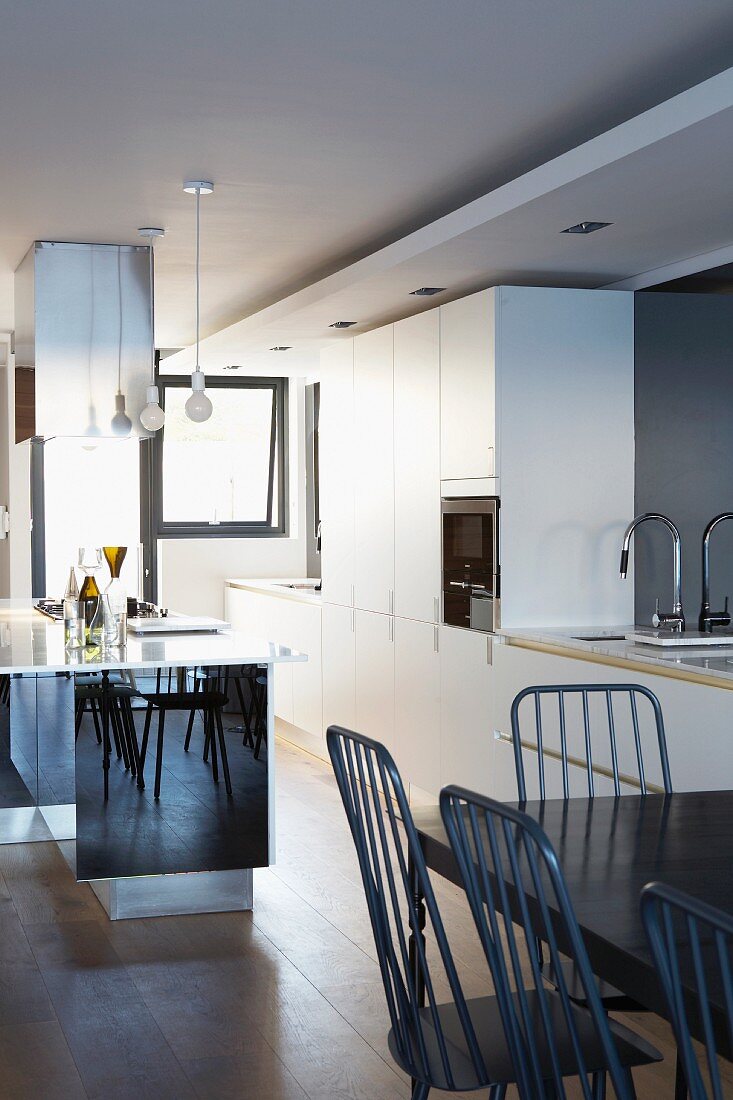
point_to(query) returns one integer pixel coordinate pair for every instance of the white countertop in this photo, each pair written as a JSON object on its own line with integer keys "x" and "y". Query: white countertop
{"x": 277, "y": 586}
{"x": 706, "y": 661}
{"x": 31, "y": 642}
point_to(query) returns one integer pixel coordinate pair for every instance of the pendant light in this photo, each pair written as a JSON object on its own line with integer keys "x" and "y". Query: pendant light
{"x": 92, "y": 432}
{"x": 121, "y": 424}
{"x": 152, "y": 417}
{"x": 198, "y": 406}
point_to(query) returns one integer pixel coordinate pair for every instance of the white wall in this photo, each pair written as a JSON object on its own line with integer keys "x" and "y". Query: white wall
{"x": 192, "y": 571}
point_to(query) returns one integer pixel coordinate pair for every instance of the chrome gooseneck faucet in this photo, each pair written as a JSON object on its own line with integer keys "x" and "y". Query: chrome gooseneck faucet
{"x": 709, "y": 619}
{"x": 676, "y": 620}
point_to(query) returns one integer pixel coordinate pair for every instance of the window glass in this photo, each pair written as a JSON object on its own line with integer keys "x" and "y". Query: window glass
{"x": 226, "y": 469}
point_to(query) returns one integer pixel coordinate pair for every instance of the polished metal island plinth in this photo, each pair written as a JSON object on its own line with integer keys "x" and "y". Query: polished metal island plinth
{"x": 191, "y": 847}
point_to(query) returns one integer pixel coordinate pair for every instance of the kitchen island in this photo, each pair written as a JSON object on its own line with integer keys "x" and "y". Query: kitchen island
{"x": 193, "y": 847}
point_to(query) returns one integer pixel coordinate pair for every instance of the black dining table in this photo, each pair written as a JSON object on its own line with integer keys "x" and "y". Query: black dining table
{"x": 608, "y": 849}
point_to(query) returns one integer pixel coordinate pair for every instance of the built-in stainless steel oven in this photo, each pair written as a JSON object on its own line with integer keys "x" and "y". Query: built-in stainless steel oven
{"x": 471, "y": 596}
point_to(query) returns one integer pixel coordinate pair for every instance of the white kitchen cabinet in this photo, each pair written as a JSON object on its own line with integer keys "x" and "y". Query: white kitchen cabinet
{"x": 305, "y": 631}
{"x": 467, "y": 388}
{"x": 466, "y": 709}
{"x": 374, "y": 471}
{"x": 417, "y": 703}
{"x": 336, "y": 472}
{"x": 417, "y": 467}
{"x": 339, "y": 666}
{"x": 375, "y": 676}
{"x": 263, "y": 616}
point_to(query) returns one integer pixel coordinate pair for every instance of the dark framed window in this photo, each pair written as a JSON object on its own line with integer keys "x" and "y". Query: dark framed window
{"x": 227, "y": 477}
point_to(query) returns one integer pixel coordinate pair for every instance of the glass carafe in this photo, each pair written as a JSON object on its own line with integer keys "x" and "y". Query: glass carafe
{"x": 116, "y": 595}
{"x": 90, "y": 561}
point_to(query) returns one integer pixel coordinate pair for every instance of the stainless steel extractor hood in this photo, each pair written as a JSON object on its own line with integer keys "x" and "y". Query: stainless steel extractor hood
{"x": 82, "y": 330}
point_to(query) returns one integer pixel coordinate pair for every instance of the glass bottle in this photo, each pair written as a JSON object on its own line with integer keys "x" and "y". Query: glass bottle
{"x": 95, "y": 630}
{"x": 73, "y": 623}
{"x": 116, "y": 593}
{"x": 72, "y": 587}
{"x": 90, "y": 560}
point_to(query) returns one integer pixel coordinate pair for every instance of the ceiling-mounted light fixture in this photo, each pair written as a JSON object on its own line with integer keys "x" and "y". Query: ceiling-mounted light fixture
{"x": 198, "y": 406}
{"x": 427, "y": 291}
{"x": 121, "y": 424}
{"x": 342, "y": 324}
{"x": 152, "y": 417}
{"x": 587, "y": 227}
{"x": 282, "y": 347}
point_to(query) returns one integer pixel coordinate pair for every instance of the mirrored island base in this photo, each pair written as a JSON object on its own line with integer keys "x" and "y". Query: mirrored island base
{"x": 189, "y": 849}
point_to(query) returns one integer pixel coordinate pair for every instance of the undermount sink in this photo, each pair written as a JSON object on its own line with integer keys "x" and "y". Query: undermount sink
{"x": 598, "y": 637}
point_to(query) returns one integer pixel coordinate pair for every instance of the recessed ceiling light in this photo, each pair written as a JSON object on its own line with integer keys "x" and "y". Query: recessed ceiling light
{"x": 233, "y": 366}
{"x": 427, "y": 291}
{"x": 587, "y": 227}
{"x": 282, "y": 347}
{"x": 342, "y": 324}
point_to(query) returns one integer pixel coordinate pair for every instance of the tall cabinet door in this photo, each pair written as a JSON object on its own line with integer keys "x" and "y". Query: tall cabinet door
{"x": 338, "y": 662}
{"x": 374, "y": 471}
{"x": 375, "y": 681}
{"x": 417, "y": 466}
{"x": 466, "y": 709}
{"x": 336, "y": 469}
{"x": 417, "y": 703}
{"x": 467, "y": 387}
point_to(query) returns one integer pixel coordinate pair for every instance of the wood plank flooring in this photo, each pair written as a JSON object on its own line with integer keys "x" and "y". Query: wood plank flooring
{"x": 282, "y": 1003}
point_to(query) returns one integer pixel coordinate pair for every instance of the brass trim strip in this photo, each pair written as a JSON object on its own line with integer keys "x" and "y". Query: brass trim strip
{"x": 597, "y": 769}
{"x": 624, "y": 663}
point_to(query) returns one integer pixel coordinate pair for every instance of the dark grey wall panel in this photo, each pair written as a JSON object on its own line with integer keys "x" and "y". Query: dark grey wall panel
{"x": 684, "y": 443}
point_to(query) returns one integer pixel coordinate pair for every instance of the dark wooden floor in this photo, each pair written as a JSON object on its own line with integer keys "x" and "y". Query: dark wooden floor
{"x": 285, "y": 1002}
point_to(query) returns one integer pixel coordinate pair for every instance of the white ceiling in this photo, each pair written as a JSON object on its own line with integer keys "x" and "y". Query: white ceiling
{"x": 333, "y": 128}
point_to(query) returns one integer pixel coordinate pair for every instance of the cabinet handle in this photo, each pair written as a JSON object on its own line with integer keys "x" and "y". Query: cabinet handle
{"x": 391, "y": 601}
{"x": 353, "y": 600}
{"x": 489, "y": 652}
{"x": 391, "y": 630}
{"x": 352, "y": 620}
{"x": 435, "y": 639}
{"x": 436, "y": 608}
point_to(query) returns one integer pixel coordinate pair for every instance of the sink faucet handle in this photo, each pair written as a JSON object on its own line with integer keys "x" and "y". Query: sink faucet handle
{"x": 655, "y": 617}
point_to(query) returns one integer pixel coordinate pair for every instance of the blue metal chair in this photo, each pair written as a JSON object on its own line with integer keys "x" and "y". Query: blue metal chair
{"x": 513, "y": 881}
{"x": 455, "y": 1046}
{"x": 635, "y": 699}
{"x": 679, "y": 927}
{"x": 634, "y": 695}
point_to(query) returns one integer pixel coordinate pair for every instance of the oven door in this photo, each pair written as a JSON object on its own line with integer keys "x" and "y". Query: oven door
{"x": 470, "y": 537}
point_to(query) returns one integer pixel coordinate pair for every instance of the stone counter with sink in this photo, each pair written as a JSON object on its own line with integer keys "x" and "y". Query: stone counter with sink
{"x": 703, "y": 663}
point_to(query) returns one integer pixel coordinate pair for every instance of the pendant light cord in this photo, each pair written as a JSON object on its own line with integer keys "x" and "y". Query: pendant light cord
{"x": 198, "y": 274}
{"x": 152, "y": 313}
{"x": 119, "y": 310}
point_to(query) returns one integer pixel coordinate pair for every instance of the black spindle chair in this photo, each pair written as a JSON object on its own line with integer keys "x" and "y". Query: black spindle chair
{"x": 451, "y": 1046}
{"x": 514, "y": 883}
{"x": 682, "y": 929}
{"x": 634, "y": 694}
{"x": 209, "y": 700}
{"x": 629, "y": 725}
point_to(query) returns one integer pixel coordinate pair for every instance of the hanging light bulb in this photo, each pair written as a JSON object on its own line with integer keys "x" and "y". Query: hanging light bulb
{"x": 121, "y": 424}
{"x": 152, "y": 417}
{"x": 198, "y": 406}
